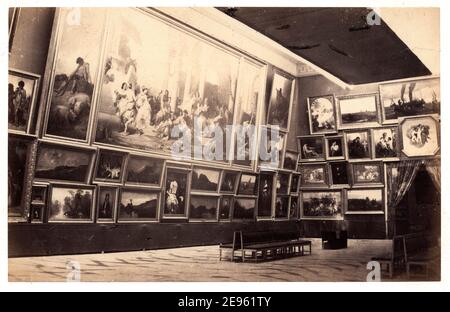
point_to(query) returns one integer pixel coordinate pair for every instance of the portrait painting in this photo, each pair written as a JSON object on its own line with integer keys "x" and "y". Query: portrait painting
{"x": 311, "y": 148}
{"x": 282, "y": 186}
{"x": 279, "y": 102}
{"x": 420, "y": 136}
{"x": 357, "y": 111}
{"x": 293, "y": 210}
{"x": 282, "y": 207}
{"x": 71, "y": 204}
{"x": 322, "y": 117}
{"x": 110, "y": 166}
{"x": 22, "y": 95}
{"x": 322, "y": 205}
{"x": 106, "y": 203}
{"x": 74, "y": 75}
{"x": 365, "y": 201}
{"x": 368, "y": 173}
{"x": 205, "y": 179}
{"x": 186, "y": 83}
{"x": 358, "y": 145}
{"x": 18, "y": 151}
{"x": 265, "y": 194}
{"x": 244, "y": 209}
{"x": 248, "y": 185}
{"x": 176, "y": 193}
{"x": 410, "y": 98}
{"x": 339, "y": 173}
{"x": 144, "y": 170}
{"x": 335, "y": 147}
{"x": 56, "y": 162}
{"x": 385, "y": 143}
{"x": 229, "y": 183}
{"x": 295, "y": 183}
{"x": 138, "y": 205}
{"x": 203, "y": 208}
{"x": 290, "y": 161}
{"x": 314, "y": 175}
{"x": 226, "y": 208}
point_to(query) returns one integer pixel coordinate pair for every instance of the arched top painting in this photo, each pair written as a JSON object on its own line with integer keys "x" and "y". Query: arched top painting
{"x": 420, "y": 136}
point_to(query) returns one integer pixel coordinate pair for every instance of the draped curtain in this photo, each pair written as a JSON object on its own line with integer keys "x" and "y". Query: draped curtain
{"x": 400, "y": 176}
{"x": 434, "y": 170}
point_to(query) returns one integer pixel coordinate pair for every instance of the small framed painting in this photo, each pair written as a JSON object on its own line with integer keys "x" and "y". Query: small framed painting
{"x": 311, "y": 148}
{"x": 322, "y": 116}
{"x": 385, "y": 143}
{"x": 339, "y": 174}
{"x": 138, "y": 205}
{"x": 314, "y": 175}
{"x": 335, "y": 147}
{"x": 206, "y": 180}
{"x": 110, "y": 166}
{"x": 290, "y": 161}
{"x": 248, "y": 185}
{"x": 365, "y": 201}
{"x": 321, "y": 205}
{"x": 358, "y": 144}
{"x": 71, "y": 203}
{"x": 358, "y": 111}
{"x": 368, "y": 173}
{"x": 106, "y": 203}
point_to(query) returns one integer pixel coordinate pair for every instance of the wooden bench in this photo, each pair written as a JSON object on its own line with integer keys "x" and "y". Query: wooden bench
{"x": 395, "y": 257}
{"x": 421, "y": 250}
{"x": 267, "y": 245}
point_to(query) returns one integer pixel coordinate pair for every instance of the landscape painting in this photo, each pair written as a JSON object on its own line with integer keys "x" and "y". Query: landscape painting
{"x": 138, "y": 205}
{"x": 203, "y": 208}
{"x": 410, "y": 98}
{"x": 55, "y": 162}
{"x": 248, "y": 185}
{"x": 322, "y": 205}
{"x": 244, "y": 209}
{"x": 279, "y": 102}
{"x": 358, "y": 145}
{"x": 71, "y": 204}
{"x": 205, "y": 179}
{"x": 368, "y": 173}
{"x": 110, "y": 166}
{"x": 420, "y": 136}
{"x": 322, "y": 117}
{"x": 365, "y": 201}
{"x": 311, "y": 148}
{"x": 385, "y": 143}
{"x": 144, "y": 170}
{"x": 356, "y": 111}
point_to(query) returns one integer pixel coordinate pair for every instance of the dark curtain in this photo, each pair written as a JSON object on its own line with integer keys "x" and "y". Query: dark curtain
{"x": 434, "y": 170}
{"x": 400, "y": 176}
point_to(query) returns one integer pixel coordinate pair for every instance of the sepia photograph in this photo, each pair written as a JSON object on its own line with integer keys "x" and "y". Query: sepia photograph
{"x": 203, "y": 208}
{"x": 335, "y": 147}
{"x": 365, "y": 201}
{"x": 265, "y": 195}
{"x": 385, "y": 143}
{"x": 144, "y": 170}
{"x": 358, "y": 144}
{"x": 71, "y": 204}
{"x": 420, "y": 136}
{"x": 311, "y": 148}
{"x": 106, "y": 203}
{"x": 322, "y": 117}
{"x": 339, "y": 173}
{"x": 280, "y": 101}
{"x": 368, "y": 173}
{"x": 136, "y": 205}
{"x": 356, "y": 111}
{"x": 321, "y": 205}
{"x": 175, "y": 203}
{"x": 110, "y": 166}
{"x": 205, "y": 179}
{"x": 314, "y": 175}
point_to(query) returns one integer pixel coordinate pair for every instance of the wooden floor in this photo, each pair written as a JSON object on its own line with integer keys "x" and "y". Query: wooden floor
{"x": 201, "y": 264}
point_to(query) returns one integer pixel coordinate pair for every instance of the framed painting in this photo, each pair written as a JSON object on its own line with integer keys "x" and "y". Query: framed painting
{"x": 273, "y": 143}
{"x": 39, "y": 197}
{"x": 244, "y": 209}
{"x": 144, "y": 170}
{"x": 314, "y": 175}
{"x": 295, "y": 183}
{"x": 282, "y": 207}
{"x": 226, "y": 208}
{"x": 358, "y": 111}
{"x": 420, "y": 136}
{"x": 322, "y": 115}
{"x": 110, "y": 166}
{"x": 265, "y": 195}
{"x": 71, "y": 203}
{"x": 74, "y": 73}
{"x": 203, "y": 208}
{"x": 204, "y": 179}
{"x": 22, "y": 96}
{"x": 339, "y": 174}
{"x": 365, "y": 201}
{"x": 368, "y": 173}
{"x": 283, "y": 181}
{"x": 311, "y": 148}
{"x": 385, "y": 143}
{"x": 176, "y": 193}
{"x": 321, "y": 205}
{"x": 293, "y": 208}
{"x": 280, "y": 101}
{"x": 410, "y": 98}
{"x": 107, "y": 203}
{"x": 229, "y": 182}
{"x": 138, "y": 205}
{"x": 335, "y": 147}
{"x": 290, "y": 161}
{"x": 248, "y": 184}
{"x": 57, "y": 162}
{"x": 358, "y": 145}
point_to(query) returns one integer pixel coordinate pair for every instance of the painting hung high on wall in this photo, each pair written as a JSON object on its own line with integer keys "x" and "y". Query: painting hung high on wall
{"x": 205, "y": 179}
{"x": 71, "y": 204}
{"x": 273, "y": 146}
{"x": 410, "y": 98}
{"x": 175, "y": 198}
{"x": 357, "y": 111}
{"x": 203, "y": 208}
{"x": 322, "y": 117}
{"x": 138, "y": 205}
{"x": 358, "y": 144}
{"x": 365, "y": 201}
{"x": 22, "y": 96}
{"x": 368, "y": 173}
{"x": 144, "y": 170}
{"x": 110, "y": 166}
{"x": 384, "y": 143}
{"x": 311, "y": 148}
{"x": 420, "y": 136}
{"x": 279, "y": 102}
{"x": 321, "y": 205}
{"x": 143, "y": 100}
{"x": 74, "y": 75}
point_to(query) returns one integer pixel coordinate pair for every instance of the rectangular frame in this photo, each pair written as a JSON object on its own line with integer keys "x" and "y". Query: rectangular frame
{"x": 122, "y": 172}
{"x": 139, "y": 190}
{"x": 304, "y": 149}
{"x": 282, "y": 75}
{"x": 314, "y": 100}
{"x": 149, "y": 158}
{"x": 367, "y": 212}
{"x": 115, "y": 204}
{"x": 349, "y": 149}
{"x": 357, "y": 183}
{"x": 186, "y": 197}
{"x": 302, "y": 206}
{"x": 255, "y": 208}
{"x": 328, "y": 149}
{"x": 206, "y": 190}
{"x": 217, "y": 199}
{"x": 347, "y": 170}
{"x": 236, "y": 183}
{"x": 304, "y": 184}
{"x": 396, "y": 142}
{"x": 356, "y": 125}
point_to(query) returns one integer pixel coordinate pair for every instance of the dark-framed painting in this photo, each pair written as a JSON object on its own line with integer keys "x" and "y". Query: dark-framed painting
{"x": 281, "y": 93}
{"x": 205, "y": 179}
{"x": 335, "y": 147}
{"x": 229, "y": 181}
{"x": 385, "y": 143}
{"x": 321, "y": 205}
{"x": 248, "y": 184}
{"x": 294, "y": 208}
{"x": 57, "y": 162}
{"x": 110, "y": 166}
{"x": 295, "y": 183}
{"x": 73, "y": 77}
{"x": 358, "y": 144}
{"x": 283, "y": 181}
{"x": 314, "y": 175}
{"x": 71, "y": 203}
{"x": 144, "y": 170}
{"x": 265, "y": 195}
{"x": 107, "y": 203}
{"x": 322, "y": 115}
{"x": 311, "y": 148}
{"x": 22, "y": 96}
{"x": 226, "y": 208}
{"x": 365, "y": 201}
{"x": 420, "y": 136}
{"x": 282, "y": 207}
{"x": 290, "y": 161}
{"x": 176, "y": 193}
{"x": 368, "y": 173}
{"x": 410, "y": 98}
{"x": 203, "y": 208}
{"x": 138, "y": 205}
{"x": 339, "y": 174}
{"x": 358, "y": 111}
{"x": 244, "y": 209}
{"x": 39, "y": 199}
